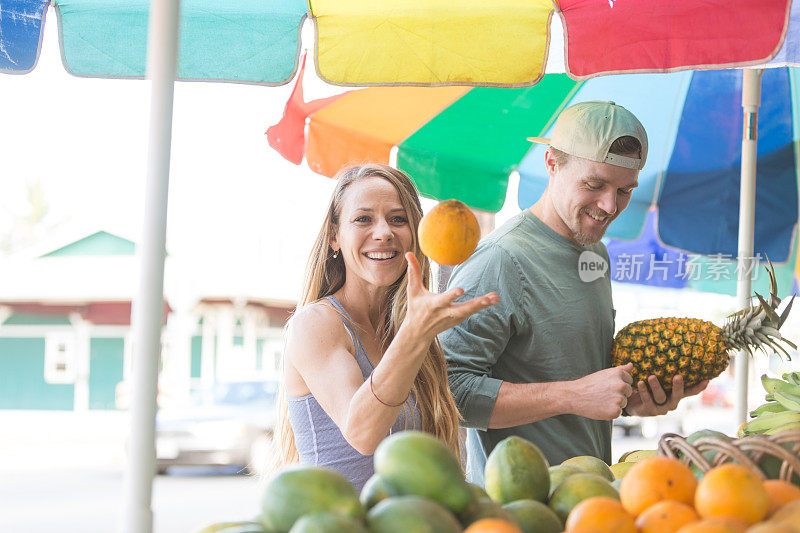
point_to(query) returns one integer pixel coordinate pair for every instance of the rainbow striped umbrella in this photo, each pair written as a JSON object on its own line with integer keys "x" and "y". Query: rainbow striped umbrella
{"x": 464, "y": 143}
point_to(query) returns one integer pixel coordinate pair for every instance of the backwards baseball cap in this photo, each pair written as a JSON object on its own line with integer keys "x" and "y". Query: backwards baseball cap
{"x": 588, "y": 129}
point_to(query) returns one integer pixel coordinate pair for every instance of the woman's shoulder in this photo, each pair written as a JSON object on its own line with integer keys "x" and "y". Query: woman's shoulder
{"x": 314, "y": 323}
{"x": 321, "y": 309}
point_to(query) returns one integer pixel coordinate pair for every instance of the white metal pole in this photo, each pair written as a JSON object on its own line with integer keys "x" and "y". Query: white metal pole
{"x": 148, "y": 308}
{"x": 751, "y": 99}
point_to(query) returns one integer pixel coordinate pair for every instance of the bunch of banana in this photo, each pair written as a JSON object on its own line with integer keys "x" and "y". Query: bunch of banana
{"x": 782, "y": 410}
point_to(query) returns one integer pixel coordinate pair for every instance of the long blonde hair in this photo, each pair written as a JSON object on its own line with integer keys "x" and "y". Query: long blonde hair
{"x": 325, "y": 274}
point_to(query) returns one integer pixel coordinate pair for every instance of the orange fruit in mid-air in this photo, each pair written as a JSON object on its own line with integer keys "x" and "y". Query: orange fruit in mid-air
{"x": 655, "y": 479}
{"x": 780, "y": 493}
{"x": 732, "y": 490}
{"x": 666, "y": 517}
{"x": 449, "y": 233}
{"x": 492, "y": 525}
{"x": 600, "y": 514}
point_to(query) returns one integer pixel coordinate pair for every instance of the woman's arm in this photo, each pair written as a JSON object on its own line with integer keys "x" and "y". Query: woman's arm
{"x": 317, "y": 349}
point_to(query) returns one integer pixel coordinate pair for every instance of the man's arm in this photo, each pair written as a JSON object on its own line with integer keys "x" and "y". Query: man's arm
{"x": 473, "y": 347}
{"x": 523, "y": 403}
{"x": 599, "y": 396}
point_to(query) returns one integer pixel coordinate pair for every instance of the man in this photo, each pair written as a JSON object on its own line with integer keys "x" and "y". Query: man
{"x": 536, "y": 364}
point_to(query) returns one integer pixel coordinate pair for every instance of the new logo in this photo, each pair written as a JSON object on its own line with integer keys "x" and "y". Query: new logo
{"x": 591, "y": 266}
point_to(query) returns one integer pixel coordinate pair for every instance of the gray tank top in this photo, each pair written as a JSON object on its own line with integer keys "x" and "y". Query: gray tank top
{"x": 317, "y": 437}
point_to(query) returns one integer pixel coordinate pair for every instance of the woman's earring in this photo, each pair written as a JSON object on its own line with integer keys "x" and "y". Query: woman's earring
{"x": 336, "y": 254}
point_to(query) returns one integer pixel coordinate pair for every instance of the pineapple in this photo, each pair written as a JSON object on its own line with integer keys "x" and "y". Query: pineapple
{"x": 698, "y": 349}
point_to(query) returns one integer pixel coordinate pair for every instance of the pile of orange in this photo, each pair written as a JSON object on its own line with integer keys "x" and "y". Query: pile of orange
{"x": 662, "y": 495}
{"x": 600, "y": 514}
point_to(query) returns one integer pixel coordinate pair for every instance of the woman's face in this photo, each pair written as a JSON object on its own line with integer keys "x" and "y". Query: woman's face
{"x": 373, "y": 234}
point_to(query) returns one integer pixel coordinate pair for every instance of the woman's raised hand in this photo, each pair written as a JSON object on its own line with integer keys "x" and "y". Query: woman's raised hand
{"x": 432, "y": 313}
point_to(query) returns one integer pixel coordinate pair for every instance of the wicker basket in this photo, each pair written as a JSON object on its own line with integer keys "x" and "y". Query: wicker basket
{"x": 746, "y": 451}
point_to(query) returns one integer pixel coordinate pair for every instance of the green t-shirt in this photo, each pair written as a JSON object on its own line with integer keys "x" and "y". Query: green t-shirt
{"x": 554, "y": 322}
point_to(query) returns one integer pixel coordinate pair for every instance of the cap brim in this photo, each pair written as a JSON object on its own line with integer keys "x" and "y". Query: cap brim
{"x": 540, "y": 140}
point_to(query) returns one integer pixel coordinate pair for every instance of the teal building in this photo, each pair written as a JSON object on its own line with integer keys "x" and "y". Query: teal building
{"x": 65, "y": 333}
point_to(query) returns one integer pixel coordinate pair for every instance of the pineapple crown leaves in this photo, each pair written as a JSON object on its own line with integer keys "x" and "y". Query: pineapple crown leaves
{"x": 785, "y": 313}
{"x": 757, "y": 326}
{"x": 774, "y": 301}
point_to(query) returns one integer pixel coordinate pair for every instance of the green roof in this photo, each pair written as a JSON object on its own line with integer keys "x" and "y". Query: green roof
{"x": 100, "y": 243}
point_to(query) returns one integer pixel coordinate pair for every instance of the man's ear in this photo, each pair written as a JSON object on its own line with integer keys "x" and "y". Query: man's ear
{"x": 550, "y": 162}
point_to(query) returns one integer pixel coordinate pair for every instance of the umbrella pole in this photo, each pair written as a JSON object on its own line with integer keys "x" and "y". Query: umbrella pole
{"x": 148, "y": 308}
{"x": 751, "y": 99}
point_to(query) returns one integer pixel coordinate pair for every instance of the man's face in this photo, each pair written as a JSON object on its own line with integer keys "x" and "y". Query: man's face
{"x": 588, "y": 196}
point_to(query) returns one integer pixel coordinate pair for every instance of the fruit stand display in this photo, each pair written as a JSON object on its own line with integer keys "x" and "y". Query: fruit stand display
{"x": 768, "y": 445}
{"x": 418, "y": 487}
{"x": 705, "y": 482}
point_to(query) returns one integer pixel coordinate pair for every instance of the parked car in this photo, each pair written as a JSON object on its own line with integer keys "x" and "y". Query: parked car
{"x": 229, "y": 424}
{"x": 721, "y": 392}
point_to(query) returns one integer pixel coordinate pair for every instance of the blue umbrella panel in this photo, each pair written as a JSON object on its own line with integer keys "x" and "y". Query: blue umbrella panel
{"x": 694, "y": 124}
{"x": 21, "y": 24}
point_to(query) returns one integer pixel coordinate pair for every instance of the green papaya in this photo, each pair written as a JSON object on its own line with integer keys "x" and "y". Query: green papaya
{"x": 590, "y": 464}
{"x": 517, "y": 470}
{"x": 328, "y": 523}
{"x": 478, "y": 495}
{"x": 534, "y": 517}
{"x": 411, "y": 514}
{"x": 620, "y": 469}
{"x": 708, "y": 455}
{"x": 419, "y": 464}
{"x": 771, "y": 465}
{"x": 558, "y": 474}
{"x": 577, "y": 488}
{"x": 483, "y": 508}
{"x": 376, "y": 489}
{"x": 301, "y": 490}
{"x": 477, "y": 491}
{"x": 233, "y": 527}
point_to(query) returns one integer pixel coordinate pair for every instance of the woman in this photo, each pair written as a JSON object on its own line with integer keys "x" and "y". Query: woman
{"x": 361, "y": 359}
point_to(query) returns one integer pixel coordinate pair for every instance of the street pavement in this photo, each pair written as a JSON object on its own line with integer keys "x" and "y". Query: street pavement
{"x": 64, "y": 472}
{"x": 85, "y": 501}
